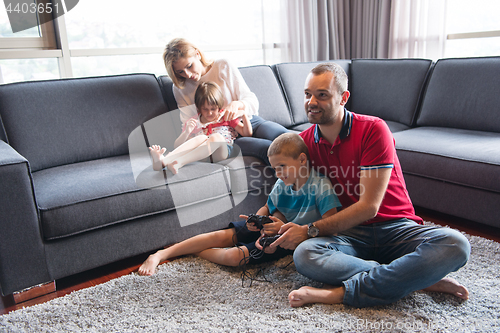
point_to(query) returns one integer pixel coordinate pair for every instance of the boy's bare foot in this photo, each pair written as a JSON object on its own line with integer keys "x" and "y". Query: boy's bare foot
{"x": 449, "y": 286}
{"x": 307, "y": 295}
{"x": 148, "y": 267}
{"x": 157, "y": 155}
{"x": 174, "y": 167}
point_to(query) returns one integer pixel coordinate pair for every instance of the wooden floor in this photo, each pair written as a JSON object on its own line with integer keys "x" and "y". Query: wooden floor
{"x": 112, "y": 271}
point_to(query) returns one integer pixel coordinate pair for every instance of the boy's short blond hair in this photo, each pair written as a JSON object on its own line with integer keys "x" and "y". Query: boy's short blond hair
{"x": 288, "y": 144}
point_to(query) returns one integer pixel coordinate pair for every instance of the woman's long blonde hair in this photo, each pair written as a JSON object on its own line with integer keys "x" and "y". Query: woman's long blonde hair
{"x": 180, "y": 48}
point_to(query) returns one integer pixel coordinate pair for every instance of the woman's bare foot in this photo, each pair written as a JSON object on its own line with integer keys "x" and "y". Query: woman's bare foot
{"x": 148, "y": 267}
{"x": 307, "y": 295}
{"x": 449, "y": 286}
{"x": 157, "y": 155}
{"x": 174, "y": 167}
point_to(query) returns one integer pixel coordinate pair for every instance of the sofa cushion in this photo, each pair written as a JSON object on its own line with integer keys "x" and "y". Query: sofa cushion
{"x": 388, "y": 88}
{"x": 77, "y": 120}
{"x": 85, "y": 196}
{"x": 464, "y": 157}
{"x": 262, "y": 82}
{"x": 394, "y": 126}
{"x": 292, "y": 77}
{"x": 463, "y": 93}
{"x": 166, "y": 85}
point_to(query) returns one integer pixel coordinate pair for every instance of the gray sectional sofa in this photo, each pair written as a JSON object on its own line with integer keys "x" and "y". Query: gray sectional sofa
{"x": 77, "y": 191}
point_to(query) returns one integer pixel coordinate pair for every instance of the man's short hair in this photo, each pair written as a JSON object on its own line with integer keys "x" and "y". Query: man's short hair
{"x": 338, "y": 72}
{"x": 288, "y": 144}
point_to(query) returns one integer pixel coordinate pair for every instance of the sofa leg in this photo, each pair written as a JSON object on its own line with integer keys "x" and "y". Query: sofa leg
{"x": 34, "y": 292}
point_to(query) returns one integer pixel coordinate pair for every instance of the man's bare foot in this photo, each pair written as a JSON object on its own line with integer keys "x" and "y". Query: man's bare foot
{"x": 157, "y": 155}
{"x": 449, "y": 286}
{"x": 307, "y": 295}
{"x": 174, "y": 167}
{"x": 148, "y": 267}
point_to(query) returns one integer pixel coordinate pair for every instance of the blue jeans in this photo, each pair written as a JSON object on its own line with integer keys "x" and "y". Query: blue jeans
{"x": 264, "y": 132}
{"x": 382, "y": 262}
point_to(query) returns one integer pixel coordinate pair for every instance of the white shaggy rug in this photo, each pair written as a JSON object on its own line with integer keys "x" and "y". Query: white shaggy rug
{"x": 193, "y": 295}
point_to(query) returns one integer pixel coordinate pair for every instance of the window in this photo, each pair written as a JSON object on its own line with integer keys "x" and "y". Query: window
{"x": 473, "y": 28}
{"x": 123, "y": 36}
{"x": 29, "y": 54}
{"x": 98, "y": 29}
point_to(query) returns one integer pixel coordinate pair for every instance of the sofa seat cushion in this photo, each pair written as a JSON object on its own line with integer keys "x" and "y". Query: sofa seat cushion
{"x": 464, "y": 157}
{"x": 394, "y": 126}
{"x": 80, "y": 197}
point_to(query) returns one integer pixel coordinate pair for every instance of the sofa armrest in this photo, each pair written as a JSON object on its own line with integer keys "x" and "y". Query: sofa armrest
{"x": 22, "y": 255}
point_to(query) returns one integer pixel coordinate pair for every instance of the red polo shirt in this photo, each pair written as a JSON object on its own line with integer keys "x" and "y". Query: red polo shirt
{"x": 364, "y": 143}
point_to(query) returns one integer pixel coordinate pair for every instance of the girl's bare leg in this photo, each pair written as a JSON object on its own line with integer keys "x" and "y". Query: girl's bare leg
{"x": 213, "y": 144}
{"x": 185, "y": 148}
{"x": 193, "y": 245}
{"x": 218, "y": 146}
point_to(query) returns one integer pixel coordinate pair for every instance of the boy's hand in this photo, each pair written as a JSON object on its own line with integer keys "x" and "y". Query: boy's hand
{"x": 250, "y": 226}
{"x": 267, "y": 249}
{"x": 271, "y": 229}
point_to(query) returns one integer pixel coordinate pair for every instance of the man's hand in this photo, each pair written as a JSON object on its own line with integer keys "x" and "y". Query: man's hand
{"x": 291, "y": 236}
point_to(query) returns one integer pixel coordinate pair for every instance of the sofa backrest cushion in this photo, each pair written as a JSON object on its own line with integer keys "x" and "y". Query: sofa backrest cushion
{"x": 292, "y": 77}
{"x": 166, "y": 85}
{"x": 388, "y": 88}
{"x": 464, "y": 94}
{"x": 58, "y": 122}
{"x": 263, "y": 83}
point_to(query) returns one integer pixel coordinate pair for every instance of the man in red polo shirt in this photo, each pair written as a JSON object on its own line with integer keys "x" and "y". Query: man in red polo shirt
{"x": 375, "y": 250}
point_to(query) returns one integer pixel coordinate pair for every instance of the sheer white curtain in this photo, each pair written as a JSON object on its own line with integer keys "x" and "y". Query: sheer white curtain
{"x": 315, "y": 30}
{"x": 335, "y": 29}
{"x": 370, "y": 28}
{"x": 417, "y": 29}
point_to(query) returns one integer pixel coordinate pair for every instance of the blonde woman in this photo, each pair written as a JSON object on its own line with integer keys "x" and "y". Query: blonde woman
{"x": 187, "y": 66}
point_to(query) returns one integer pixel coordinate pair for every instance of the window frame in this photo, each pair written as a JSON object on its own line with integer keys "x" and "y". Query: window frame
{"x": 47, "y": 39}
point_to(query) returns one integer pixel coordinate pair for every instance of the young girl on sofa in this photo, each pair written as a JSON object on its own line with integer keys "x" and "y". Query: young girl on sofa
{"x": 205, "y": 134}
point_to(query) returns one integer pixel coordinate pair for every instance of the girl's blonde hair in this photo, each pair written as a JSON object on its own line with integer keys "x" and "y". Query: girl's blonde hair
{"x": 208, "y": 92}
{"x": 180, "y": 48}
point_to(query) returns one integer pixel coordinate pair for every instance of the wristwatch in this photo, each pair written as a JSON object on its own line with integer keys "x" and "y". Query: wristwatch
{"x": 312, "y": 231}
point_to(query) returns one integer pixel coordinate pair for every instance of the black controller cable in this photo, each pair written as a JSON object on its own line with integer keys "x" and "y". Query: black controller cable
{"x": 255, "y": 254}
{"x": 245, "y": 274}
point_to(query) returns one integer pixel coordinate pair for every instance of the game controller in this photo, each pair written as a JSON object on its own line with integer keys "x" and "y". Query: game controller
{"x": 266, "y": 241}
{"x": 258, "y": 220}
